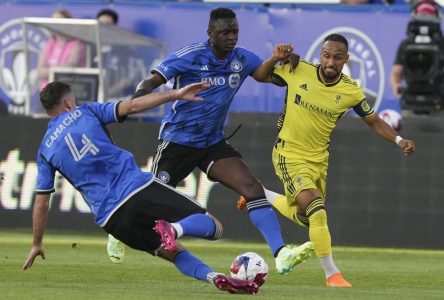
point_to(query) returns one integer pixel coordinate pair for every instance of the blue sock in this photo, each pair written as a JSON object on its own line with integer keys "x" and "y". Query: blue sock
{"x": 266, "y": 221}
{"x": 198, "y": 225}
{"x": 191, "y": 266}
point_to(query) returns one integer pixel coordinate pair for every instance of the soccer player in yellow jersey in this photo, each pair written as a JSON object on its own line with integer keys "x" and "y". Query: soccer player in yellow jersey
{"x": 317, "y": 96}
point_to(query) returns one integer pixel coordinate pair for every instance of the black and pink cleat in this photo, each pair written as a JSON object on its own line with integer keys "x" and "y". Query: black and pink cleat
{"x": 235, "y": 286}
{"x": 167, "y": 234}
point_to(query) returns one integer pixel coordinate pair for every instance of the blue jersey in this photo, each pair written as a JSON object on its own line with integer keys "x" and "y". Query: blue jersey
{"x": 78, "y": 146}
{"x": 200, "y": 124}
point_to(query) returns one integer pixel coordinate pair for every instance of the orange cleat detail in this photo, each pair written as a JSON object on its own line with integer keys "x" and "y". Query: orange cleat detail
{"x": 337, "y": 281}
{"x": 241, "y": 203}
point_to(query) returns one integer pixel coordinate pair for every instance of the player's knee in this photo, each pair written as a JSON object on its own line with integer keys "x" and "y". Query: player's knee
{"x": 316, "y": 213}
{"x": 251, "y": 188}
{"x": 303, "y": 219}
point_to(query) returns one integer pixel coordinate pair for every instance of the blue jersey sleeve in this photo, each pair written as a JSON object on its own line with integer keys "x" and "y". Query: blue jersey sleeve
{"x": 254, "y": 62}
{"x": 171, "y": 67}
{"x": 105, "y": 112}
{"x": 45, "y": 176}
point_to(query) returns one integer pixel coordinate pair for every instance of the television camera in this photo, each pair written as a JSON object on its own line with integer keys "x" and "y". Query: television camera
{"x": 424, "y": 60}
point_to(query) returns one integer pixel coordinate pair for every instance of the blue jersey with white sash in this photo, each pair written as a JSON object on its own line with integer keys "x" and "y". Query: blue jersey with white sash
{"x": 200, "y": 124}
{"x": 78, "y": 146}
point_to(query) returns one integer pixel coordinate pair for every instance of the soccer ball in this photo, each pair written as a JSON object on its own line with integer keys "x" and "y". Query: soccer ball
{"x": 250, "y": 266}
{"x": 392, "y": 117}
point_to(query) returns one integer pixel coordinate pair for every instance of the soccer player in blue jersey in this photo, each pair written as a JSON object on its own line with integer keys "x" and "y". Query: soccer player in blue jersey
{"x": 126, "y": 202}
{"x": 191, "y": 134}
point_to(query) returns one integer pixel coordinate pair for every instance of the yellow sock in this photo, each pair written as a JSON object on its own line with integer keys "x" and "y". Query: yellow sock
{"x": 318, "y": 230}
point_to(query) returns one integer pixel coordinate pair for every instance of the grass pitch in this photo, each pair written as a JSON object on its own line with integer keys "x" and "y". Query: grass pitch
{"x": 77, "y": 267}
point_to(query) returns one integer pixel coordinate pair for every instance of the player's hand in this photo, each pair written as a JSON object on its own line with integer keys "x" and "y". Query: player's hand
{"x": 189, "y": 92}
{"x": 408, "y": 146}
{"x": 282, "y": 51}
{"x": 35, "y": 251}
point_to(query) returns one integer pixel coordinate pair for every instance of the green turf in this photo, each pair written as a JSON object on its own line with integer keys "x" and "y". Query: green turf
{"x": 85, "y": 272}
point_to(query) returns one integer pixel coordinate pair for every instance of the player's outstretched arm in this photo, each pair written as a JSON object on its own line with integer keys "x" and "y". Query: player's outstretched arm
{"x": 136, "y": 105}
{"x": 385, "y": 131}
{"x": 39, "y": 219}
{"x": 280, "y": 52}
{"x": 147, "y": 85}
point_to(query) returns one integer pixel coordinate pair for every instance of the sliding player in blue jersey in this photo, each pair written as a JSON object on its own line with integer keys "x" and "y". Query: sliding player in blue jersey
{"x": 191, "y": 134}
{"x": 129, "y": 204}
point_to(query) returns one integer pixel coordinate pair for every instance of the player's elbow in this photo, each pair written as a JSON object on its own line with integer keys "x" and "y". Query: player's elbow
{"x": 127, "y": 107}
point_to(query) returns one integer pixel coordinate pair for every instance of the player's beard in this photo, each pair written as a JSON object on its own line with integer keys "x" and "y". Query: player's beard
{"x": 330, "y": 75}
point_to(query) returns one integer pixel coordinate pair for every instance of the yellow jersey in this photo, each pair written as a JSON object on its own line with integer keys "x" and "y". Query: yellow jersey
{"x": 312, "y": 109}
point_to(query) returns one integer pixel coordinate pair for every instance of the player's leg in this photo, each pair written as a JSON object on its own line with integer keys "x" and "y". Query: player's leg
{"x": 302, "y": 182}
{"x": 192, "y": 266}
{"x": 169, "y": 166}
{"x": 288, "y": 209}
{"x": 234, "y": 173}
{"x": 280, "y": 203}
{"x": 285, "y": 206}
{"x": 134, "y": 224}
{"x": 225, "y": 165}
{"x": 311, "y": 201}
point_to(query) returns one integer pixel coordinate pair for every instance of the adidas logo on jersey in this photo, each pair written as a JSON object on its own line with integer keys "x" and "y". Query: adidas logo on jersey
{"x": 204, "y": 68}
{"x": 303, "y": 86}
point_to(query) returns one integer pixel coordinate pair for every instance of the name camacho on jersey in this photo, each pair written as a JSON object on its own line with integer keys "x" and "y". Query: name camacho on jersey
{"x": 78, "y": 146}
{"x": 312, "y": 109}
{"x": 200, "y": 124}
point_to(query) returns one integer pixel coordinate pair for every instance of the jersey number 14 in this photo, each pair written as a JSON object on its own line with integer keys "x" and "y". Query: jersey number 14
{"x": 88, "y": 146}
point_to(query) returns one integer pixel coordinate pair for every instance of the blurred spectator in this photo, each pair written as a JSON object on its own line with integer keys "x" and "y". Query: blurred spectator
{"x": 60, "y": 51}
{"x": 108, "y": 16}
{"x": 119, "y": 81}
{"x": 396, "y": 77}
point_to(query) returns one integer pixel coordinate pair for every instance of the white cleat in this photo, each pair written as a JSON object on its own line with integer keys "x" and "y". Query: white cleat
{"x": 116, "y": 249}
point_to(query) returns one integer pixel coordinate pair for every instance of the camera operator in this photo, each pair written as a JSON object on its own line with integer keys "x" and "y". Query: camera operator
{"x": 423, "y": 29}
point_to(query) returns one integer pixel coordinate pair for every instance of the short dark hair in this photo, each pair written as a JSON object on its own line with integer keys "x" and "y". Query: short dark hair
{"x": 64, "y": 13}
{"x": 109, "y": 12}
{"x": 52, "y": 94}
{"x": 335, "y": 37}
{"x": 221, "y": 13}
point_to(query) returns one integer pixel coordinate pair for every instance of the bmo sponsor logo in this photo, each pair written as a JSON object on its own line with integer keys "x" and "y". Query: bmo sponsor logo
{"x": 215, "y": 81}
{"x": 233, "y": 80}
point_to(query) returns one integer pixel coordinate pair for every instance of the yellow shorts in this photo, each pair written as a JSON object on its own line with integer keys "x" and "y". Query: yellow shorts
{"x": 298, "y": 174}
